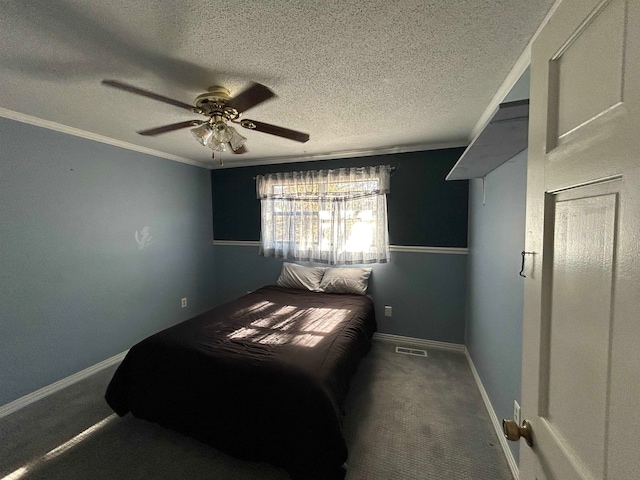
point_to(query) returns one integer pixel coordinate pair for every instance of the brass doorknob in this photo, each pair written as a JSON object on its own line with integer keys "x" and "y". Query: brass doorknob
{"x": 514, "y": 432}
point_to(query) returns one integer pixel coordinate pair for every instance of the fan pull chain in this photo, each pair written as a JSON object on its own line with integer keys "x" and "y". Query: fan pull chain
{"x": 213, "y": 156}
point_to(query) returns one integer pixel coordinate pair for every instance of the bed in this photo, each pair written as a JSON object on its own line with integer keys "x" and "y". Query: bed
{"x": 263, "y": 377}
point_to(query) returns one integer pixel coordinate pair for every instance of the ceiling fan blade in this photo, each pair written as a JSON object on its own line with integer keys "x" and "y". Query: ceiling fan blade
{"x": 145, "y": 93}
{"x": 275, "y": 130}
{"x": 250, "y": 97}
{"x": 170, "y": 128}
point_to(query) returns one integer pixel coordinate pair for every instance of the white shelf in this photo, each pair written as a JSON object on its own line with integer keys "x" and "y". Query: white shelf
{"x": 504, "y": 137}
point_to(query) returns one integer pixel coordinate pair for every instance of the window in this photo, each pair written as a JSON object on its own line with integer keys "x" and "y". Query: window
{"x": 326, "y": 216}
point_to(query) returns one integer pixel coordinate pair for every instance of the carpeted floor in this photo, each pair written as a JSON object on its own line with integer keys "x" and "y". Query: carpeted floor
{"x": 408, "y": 418}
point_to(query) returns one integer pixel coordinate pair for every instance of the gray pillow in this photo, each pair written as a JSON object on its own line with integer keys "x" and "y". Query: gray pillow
{"x": 300, "y": 277}
{"x": 346, "y": 280}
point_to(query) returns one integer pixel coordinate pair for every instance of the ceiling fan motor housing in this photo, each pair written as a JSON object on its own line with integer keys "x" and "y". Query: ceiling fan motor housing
{"x": 214, "y": 103}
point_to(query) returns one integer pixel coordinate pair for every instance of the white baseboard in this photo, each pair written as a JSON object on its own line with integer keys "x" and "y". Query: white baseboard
{"x": 515, "y": 471}
{"x": 59, "y": 385}
{"x": 387, "y": 337}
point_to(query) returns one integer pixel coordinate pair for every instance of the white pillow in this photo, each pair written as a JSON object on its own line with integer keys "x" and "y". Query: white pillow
{"x": 346, "y": 280}
{"x": 298, "y": 276}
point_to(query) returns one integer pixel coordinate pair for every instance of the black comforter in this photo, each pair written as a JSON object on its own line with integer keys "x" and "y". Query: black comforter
{"x": 263, "y": 377}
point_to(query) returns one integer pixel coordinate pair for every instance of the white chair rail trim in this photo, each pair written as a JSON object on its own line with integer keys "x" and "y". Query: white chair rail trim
{"x": 393, "y": 248}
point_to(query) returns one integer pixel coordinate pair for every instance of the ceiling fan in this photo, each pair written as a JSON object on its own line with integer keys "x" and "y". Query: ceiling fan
{"x": 222, "y": 109}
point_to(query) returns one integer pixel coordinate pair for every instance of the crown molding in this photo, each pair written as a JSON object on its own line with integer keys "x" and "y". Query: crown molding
{"x": 237, "y": 162}
{"x": 77, "y": 132}
{"x": 365, "y": 152}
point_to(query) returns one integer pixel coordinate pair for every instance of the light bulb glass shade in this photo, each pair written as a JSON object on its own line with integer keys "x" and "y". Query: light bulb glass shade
{"x": 217, "y": 146}
{"x": 203, "y": 133}
{"x": 237, "y": 140}
{"x": 221, "y": 132}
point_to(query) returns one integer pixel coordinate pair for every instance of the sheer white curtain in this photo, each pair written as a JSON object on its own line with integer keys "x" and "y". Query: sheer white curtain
{"x": 327, "y": 216}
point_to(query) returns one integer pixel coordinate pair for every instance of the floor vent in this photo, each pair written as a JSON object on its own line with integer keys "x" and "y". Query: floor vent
{"x": 411, "y": 351}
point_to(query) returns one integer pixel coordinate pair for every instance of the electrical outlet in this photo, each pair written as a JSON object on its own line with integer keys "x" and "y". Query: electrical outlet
{"x": 516, "y": 412}
{"x": 184, "y": 302}
{"x": 387, "y": 311}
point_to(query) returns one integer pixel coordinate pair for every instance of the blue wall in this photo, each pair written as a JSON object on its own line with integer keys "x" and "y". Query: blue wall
{"x": 75, "y": 287}
{"x": 423, "y": 208}
{"x": 426, "y": 290}
{"x": 495, "y": 290}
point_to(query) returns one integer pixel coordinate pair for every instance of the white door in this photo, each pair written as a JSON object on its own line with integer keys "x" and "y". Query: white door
{"x": 581, "y": 335}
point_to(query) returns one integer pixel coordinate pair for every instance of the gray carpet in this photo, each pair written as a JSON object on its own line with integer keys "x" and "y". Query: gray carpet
{"x": 407, "y": 418}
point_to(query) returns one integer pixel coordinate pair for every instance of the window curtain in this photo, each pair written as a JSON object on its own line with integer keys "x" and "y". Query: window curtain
{"x": 326, "y": 216}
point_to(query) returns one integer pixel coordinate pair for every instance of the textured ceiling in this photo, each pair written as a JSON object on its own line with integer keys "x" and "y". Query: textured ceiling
{"x": 358, "y": 76}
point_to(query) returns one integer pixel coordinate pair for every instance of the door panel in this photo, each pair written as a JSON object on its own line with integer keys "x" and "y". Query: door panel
{"x": 581, "y": 363}
{"x": 602, "y": 86}
{"x": 574, "y": 400}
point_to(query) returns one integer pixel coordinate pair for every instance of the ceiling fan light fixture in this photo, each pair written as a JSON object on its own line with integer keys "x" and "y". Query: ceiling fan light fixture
{"x": 203, "y": 134}
{"x": 217, "y": 146}
{"x": 221, "y": 132}
{"x": 237, "y": 140}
